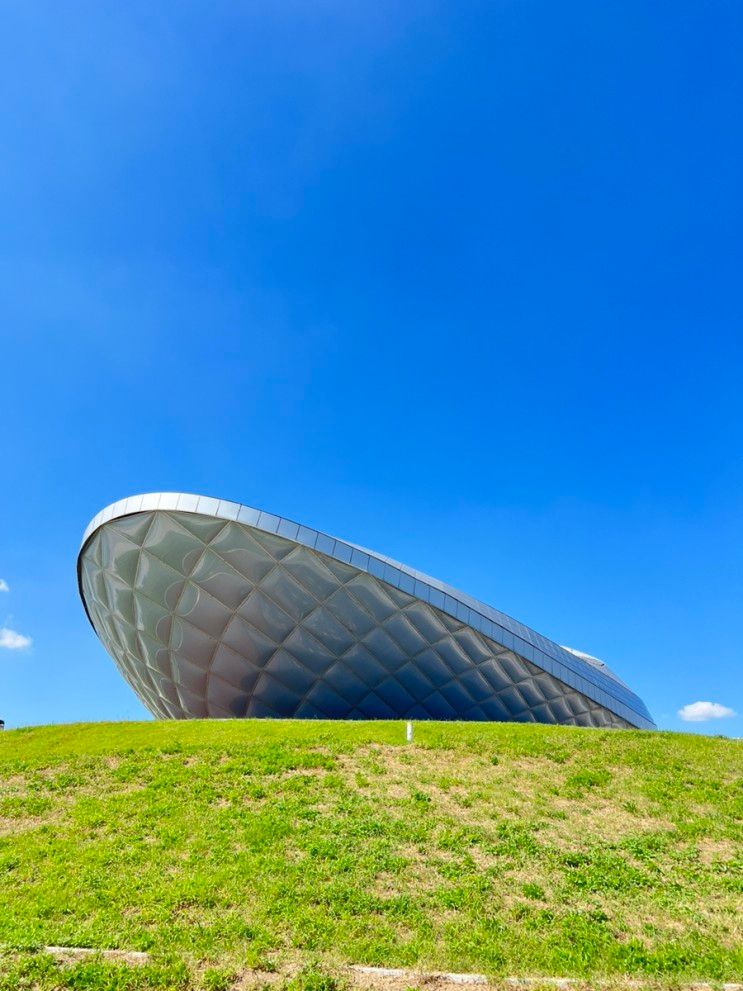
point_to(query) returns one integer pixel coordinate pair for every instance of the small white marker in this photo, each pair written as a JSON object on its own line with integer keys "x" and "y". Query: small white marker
{"x": 409, "y": 732}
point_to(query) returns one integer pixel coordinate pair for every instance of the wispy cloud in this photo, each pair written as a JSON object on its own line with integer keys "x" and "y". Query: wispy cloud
{"x": 11, "y": 640}
{"x": 700, "y": 712}
{"x": 4, "y": 587}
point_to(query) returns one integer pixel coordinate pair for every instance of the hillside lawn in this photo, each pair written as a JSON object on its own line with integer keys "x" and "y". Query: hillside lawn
{"x": 244, "y": 851}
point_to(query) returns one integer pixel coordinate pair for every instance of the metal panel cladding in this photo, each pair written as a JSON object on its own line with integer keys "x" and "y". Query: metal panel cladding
{"x": 214, "y": 609}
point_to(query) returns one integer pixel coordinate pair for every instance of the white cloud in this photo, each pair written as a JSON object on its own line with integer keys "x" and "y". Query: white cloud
{"x": 4, "y": 587}
{"x": 700, "y": 712}
{"x": 12, "y": 640}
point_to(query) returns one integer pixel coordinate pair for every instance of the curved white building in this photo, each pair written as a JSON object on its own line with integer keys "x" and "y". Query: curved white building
{"x": 213, "y": 609}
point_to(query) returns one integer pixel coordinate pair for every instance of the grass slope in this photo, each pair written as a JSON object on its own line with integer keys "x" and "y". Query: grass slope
{"x": 503, "y": 848}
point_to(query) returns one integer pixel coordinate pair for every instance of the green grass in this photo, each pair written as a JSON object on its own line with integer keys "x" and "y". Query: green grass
{"x": 221, "y": 847}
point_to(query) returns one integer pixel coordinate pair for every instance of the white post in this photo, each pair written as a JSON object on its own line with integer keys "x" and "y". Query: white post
{"x": 409, "y": 732}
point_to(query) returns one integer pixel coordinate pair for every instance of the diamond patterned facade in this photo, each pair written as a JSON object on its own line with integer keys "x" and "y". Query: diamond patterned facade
{"x": 212, "y": 609}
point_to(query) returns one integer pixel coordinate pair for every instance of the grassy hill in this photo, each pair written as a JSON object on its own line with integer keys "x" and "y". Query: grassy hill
{"x": 223, "y": 848}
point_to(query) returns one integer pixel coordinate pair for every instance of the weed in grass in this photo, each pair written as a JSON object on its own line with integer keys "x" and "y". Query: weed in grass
{"x": 532, "y": 891}
{"x": 577, "y": 784}
{"x": 217, "y": 979}
{"x": 314, "y": 977}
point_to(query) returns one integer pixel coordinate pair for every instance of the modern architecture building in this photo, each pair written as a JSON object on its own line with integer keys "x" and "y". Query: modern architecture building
{"x": 214, "y": 609}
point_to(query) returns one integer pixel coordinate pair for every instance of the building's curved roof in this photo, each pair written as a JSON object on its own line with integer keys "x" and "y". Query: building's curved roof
{"x": 584, "y": 674}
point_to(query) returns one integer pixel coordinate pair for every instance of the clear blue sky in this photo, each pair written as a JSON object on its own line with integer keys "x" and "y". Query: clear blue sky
{"x": 458, "y": 281}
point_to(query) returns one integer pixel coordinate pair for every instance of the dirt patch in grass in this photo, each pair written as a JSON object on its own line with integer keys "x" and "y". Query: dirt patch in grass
{"x": 601, "y": 820}
{"x": 718, "y": 851}
{"x": 14, "y": 827}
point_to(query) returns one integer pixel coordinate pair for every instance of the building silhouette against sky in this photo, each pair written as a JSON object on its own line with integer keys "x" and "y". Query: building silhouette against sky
{"x": 214, "y": 609}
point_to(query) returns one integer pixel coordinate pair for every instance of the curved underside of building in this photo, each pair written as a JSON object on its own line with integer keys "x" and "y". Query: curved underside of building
{"x": 213, "y": 609}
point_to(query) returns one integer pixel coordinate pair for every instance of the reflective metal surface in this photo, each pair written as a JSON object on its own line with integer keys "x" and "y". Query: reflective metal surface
{"x": 211, "y": 608}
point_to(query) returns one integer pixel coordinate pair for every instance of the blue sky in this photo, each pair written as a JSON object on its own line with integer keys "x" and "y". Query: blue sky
{"x": 456, "y": 281}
